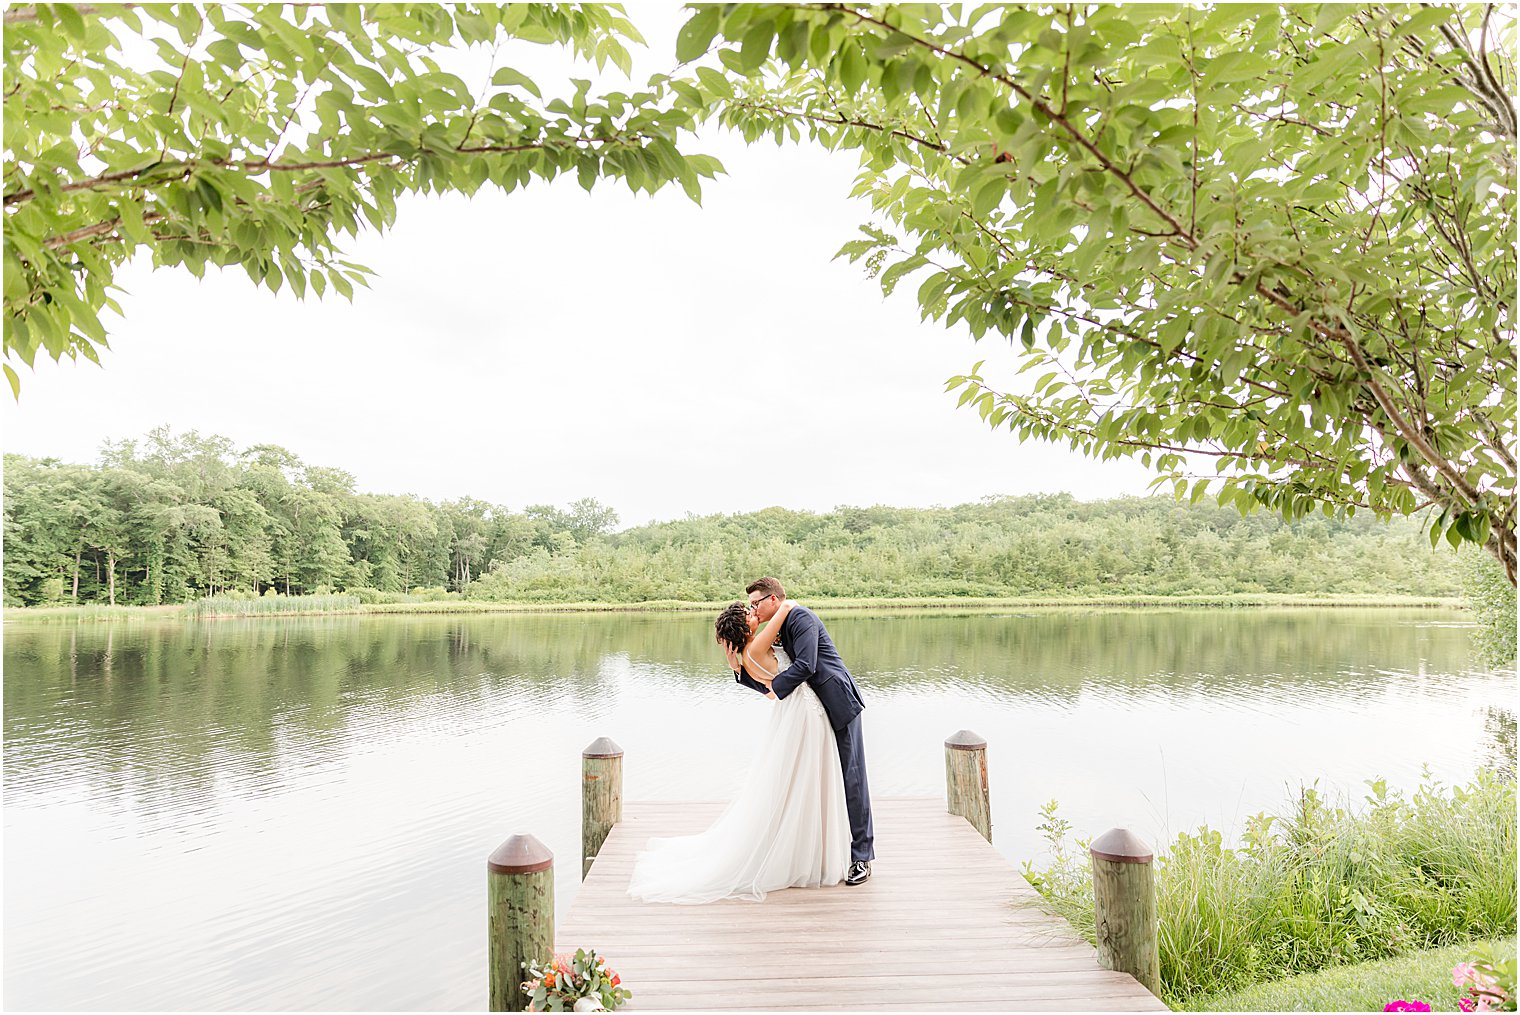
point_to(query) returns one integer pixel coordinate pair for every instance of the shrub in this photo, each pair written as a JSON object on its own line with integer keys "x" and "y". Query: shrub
{"x": 375, "y": 597}
{"x": 1491, "y": 597}
{"x": 1318, "y": 886}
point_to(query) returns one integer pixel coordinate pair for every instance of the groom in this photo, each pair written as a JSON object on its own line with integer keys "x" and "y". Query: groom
{"x": 816, "y": 662}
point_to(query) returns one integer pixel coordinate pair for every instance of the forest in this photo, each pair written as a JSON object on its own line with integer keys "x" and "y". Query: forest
{"x": 174, "y": 518}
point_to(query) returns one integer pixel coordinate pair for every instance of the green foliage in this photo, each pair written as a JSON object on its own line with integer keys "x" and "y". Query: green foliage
{"x": 1066, "y": 879}
{"x": 1268, "y": 249}
{"x": 172, "y": 519}
{"x": 1367, "y": 986}
{"x": 267, "y": 605}
{"x": 1492, "y": 599}
{"x": 1049, "y": 546}
{"x": 1323, "y": 886}
{"x": 260, "y": 135}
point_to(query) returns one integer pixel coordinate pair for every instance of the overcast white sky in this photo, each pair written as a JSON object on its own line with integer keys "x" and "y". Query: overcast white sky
{"x": 552, "y": 344}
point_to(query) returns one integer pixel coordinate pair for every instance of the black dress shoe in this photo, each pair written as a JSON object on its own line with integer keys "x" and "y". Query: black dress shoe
{"x": 859, "y": 871}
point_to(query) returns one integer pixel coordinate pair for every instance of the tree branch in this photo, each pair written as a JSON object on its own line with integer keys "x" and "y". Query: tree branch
{"x": 1407, "y": 430}
{"x": 18, "y": 15}
{"x": 267, "y": 165}
{"x": 841, "y": 120}
{"x": 1051, "y": 114}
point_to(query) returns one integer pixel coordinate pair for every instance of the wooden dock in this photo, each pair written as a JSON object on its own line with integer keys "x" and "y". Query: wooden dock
{"x": 945, "y": 923}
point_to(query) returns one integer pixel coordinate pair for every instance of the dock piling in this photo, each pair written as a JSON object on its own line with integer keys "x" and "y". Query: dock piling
{"x": 966, "y": 780}
{"x": 1124, "y": 907}
{"x": 601, "y": 796}
{"x": 520, "y": 876}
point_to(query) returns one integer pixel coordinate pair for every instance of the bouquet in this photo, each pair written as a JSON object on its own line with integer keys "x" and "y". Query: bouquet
{"x": 574, "y": 983}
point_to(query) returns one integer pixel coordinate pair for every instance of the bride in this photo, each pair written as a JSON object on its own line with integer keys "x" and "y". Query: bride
{"x": 789, "y": 826}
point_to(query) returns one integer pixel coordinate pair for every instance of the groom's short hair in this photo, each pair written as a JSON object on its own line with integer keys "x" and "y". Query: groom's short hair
{"x": 770, "y": 586}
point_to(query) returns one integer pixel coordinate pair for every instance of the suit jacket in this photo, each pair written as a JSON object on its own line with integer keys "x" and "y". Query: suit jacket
{"x": 816, "y": 662}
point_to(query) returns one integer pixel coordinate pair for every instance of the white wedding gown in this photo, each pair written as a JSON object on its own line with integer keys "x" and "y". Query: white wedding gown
{"x": 788, "y": 827}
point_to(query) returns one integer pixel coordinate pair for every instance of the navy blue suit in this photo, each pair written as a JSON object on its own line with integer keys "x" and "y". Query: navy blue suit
{"x": 816, "y": 663}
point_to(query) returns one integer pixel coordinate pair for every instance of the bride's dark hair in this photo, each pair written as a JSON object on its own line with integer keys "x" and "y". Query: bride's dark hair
{"x": 731, "y": 626}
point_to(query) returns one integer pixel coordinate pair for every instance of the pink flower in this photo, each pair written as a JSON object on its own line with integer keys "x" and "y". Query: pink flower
{"x": 1406, "y": 1006}
{"x": 1466, "y": 1003}
{"x": 1464, "y": 973}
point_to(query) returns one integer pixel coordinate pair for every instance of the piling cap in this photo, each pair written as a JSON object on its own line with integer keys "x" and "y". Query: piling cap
{"x": 965, "y": 740}
{"x": 1120, "y": 845}
{"x": 602, "y": 747}
{"x": 520, "y": 854}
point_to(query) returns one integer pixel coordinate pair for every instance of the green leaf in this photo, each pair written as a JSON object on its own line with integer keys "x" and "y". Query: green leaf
{"x": 1422, "y": 21}
{"x": 506, "y": 76}
{"x": 988, "y": 195}
{"x": 756, "y": 46}
{"x": 1027, "y": 335}
{"x": 852, "y": 67}
{"x": 1235, "y": 66}
{"x": 697, "y": 34}
{"x": 1331, "y": 15}
{"x": 715, "y": 82}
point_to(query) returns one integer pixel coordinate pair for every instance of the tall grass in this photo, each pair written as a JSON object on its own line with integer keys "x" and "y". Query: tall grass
{"x": 236, "y": 606}
{"x": 1319, "y": 885}
{"x": 89, "y": 613}
{"x": 365, "y": 601}
{"x": 396, "y": 603}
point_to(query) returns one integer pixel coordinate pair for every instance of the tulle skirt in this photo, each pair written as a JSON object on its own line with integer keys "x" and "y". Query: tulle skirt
{"x": 788, "y": 827}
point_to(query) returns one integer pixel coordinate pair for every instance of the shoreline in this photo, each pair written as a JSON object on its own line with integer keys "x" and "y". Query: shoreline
{"x": 1249, "y": 600}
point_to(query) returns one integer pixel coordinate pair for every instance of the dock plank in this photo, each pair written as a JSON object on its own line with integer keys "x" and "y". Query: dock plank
{"x": 944, "y": 923}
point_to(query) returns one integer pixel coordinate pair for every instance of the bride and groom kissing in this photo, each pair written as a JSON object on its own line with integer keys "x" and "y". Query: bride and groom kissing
{"x": 803, "y": 816}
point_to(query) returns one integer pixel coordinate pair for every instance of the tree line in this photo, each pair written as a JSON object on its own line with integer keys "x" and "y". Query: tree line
{"x": 172, "y": 518}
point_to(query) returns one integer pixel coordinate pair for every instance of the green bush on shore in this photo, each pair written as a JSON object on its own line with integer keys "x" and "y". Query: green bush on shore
{"x": 1319, "y": 886}
{"x": 1492, "y": 600}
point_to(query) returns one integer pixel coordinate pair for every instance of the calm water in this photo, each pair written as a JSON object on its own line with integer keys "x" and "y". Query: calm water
{"x": 296, "y": 813}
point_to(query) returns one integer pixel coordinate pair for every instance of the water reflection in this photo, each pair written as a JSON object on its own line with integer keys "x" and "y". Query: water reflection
{"x": 293, "y": 813}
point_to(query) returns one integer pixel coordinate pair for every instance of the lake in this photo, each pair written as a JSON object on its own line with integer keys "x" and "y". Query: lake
{"x": 296, "y": 813}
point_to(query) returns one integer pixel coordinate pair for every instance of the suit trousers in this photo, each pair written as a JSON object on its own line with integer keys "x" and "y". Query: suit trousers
{"x": 857, "y": 795}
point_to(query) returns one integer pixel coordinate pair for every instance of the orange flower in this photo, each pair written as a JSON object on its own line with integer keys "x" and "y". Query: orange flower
{"x": 616, "y": 979}
{"x": 548, "y": 979}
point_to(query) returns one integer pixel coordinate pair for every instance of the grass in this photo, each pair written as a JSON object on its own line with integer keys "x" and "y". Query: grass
{"x": 958, "y": 603}
{"x": 91, "y": 612}
{"x": 1319, "y": 886}
{"x": 233, "y": 606}
{"x": 1365, "y": 986}
{"x": 261, "y": 606}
